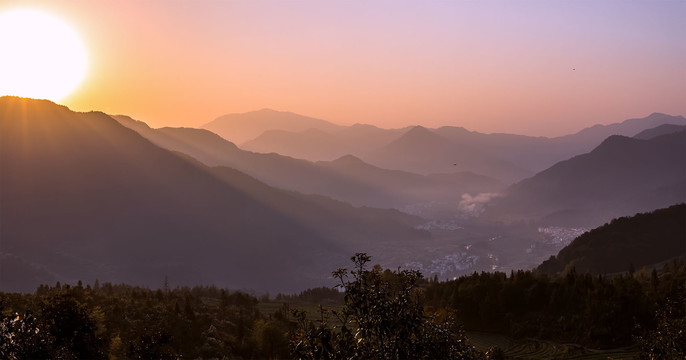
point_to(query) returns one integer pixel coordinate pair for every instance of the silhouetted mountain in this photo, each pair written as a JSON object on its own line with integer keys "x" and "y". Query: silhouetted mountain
{"x": 369, "y": 137}
{"x": 239, "y": 128}
{"x": 591, "y": 136}
{"x": 276, "y": 170}
{"x": 422, "y": 151}
{"x": 530, "y": 153}
{"x": 83, "y": 197}
{"x": 311, "y": 144}
{"x": 621, "y": 176}
{"x": 660, "y": 130}
{"x": 317, "y": 145}
{"x": 640, "y": 240}
{"x": 411, "y": 187}
{"x": 538, "y": 153}
{"x": 359, "y": 185}
{"x": 204, "y": 145}
{"x": 527, "y": 154}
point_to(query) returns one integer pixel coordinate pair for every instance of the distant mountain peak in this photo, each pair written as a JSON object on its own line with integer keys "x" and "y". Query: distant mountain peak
{"x": 418, "y": 130}
{"x": 349, "y": 160}
{"x": 363, "y": 126}
{"x": 614, "y": 140}
{"x": 240, "y": 128}
{"x": 420, "y": 134}
{"x": 268, "y": 111}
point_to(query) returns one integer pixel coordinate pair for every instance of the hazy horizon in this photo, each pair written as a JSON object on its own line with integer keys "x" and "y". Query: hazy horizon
{"x": 188, "y": 175}
{"x": 526, "y": 67}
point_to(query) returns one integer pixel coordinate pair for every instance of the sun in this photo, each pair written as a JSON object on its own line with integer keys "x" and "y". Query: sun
{"x": 41, "y": 56}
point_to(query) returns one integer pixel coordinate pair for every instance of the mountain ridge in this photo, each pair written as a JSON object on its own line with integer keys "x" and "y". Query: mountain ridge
{"x": 239, "y": 128}
{"x": 84, "y": 197}
{"x": 529, "y": 153}
{"x": 621, "y": 175}
{"x": 640, "y": 240}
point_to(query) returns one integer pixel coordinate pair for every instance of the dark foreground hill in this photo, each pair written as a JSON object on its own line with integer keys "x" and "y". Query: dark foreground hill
{"x": 83, "y": 197}
{"x": 640, "y": 240}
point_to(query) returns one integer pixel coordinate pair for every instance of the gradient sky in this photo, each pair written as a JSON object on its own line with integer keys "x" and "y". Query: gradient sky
{"x": 528, "y": 67}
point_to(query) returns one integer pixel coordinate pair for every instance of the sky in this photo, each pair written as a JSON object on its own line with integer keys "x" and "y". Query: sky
{"x": 528, "y": 67}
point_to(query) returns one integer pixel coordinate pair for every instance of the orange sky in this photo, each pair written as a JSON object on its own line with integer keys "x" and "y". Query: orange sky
{"x": 530, "y": 67}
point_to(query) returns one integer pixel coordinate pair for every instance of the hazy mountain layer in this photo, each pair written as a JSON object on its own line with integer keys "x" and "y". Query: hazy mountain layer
{"x": 239, "y": 128}
{"x": 659, "y": 130}
{"x": 317, "y": 145}
{"x": 512, "y": 157}
{"x": 621, "y": 176}
{"x": 423, "y": 151}
{"x": 84, "y": 197}
{"x": 347, "y": 179}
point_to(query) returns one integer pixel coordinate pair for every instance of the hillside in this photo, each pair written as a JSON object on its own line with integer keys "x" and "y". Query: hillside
{"x": 640, "y": 240}
{"x": 423, "y": 151}
{"x": 663, "y": 129}
{"x": 621, "y": 176}
{"x": 318, "y": 145}
{"x": 411, "y": 186}
{"x": 311, "y": 144}
{"x": 352, "y": 181}
{"x": 84, "y": 197}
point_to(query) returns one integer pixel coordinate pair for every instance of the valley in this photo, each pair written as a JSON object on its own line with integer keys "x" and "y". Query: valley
{"x": 179, "y": 196}
{"x": 329, "y": 180}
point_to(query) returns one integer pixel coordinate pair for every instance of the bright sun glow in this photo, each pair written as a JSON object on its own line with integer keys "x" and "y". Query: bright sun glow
{"x": 41, "y": 57}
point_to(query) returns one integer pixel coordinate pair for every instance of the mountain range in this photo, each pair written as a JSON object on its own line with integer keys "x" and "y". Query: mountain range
{"x": 87, "y": 196}
{"x": 641, "y": 240}
{"x": 347, "y": 179}
{"x": 563, "y": 199}
{"x": 84, "y": 197}
{"x": 620, "y": 176}
{"x": 507, "y": 157}
{"x": 239, "y": 128}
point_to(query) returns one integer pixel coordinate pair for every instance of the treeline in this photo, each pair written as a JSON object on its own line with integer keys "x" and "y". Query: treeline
{"x": 381, "y": 311}
{"x": 319, "y": 295}
{"x": 592, "y": 310}
{"x": 125, "y": 322}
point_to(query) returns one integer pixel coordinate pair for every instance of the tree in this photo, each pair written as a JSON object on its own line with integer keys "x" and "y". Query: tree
{"x": 383, "y": 318}
{"x": 668, "y": 340}
{"x": 21, "y": 338}
{"x": 73, "y": 330}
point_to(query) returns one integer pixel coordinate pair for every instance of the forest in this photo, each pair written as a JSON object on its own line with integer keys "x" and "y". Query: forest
{"x": 404, "y": 314}
{"x": 107, "y": 321}
{"x": 593, "y": 310}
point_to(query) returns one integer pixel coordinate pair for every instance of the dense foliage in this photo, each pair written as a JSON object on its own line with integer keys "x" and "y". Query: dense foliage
{"x": 383, "y": 318}
{"x": 668, "y": 339}
{"x": 383, "y": 314}
{"x": 125, "y": 322}
{"x": 582, "y": 308}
